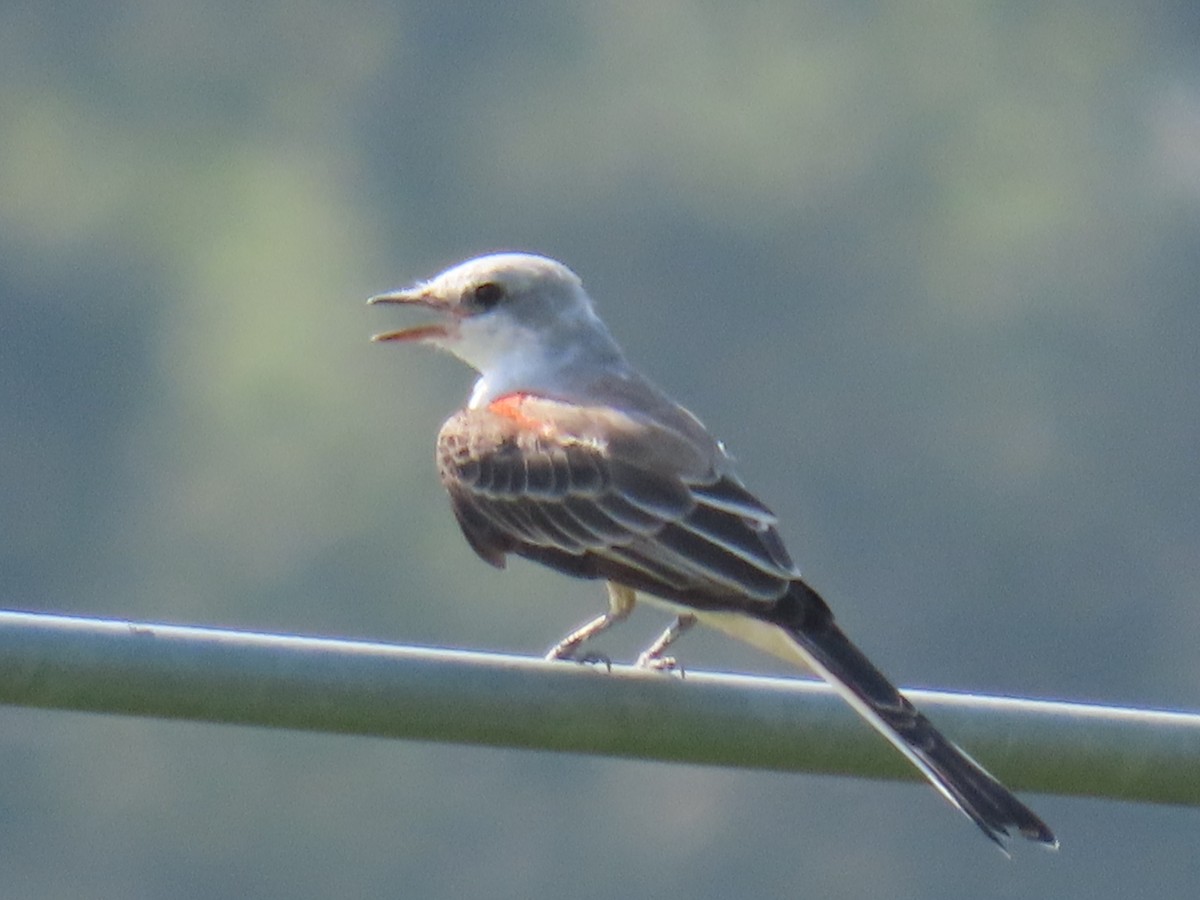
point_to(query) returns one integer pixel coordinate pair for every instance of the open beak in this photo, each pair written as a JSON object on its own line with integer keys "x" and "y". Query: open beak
{"x": 413, "y": 297}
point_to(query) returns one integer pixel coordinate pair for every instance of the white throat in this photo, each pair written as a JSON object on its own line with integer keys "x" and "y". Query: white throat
{"x": 553, "y": 374}
{"x": 511, "y": 357}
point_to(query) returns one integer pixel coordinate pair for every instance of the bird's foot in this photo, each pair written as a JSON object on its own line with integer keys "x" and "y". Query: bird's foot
{"x": 566, "y": 650}
{"x": 562, "y": 650}
{"x": 654, "y": 657}
{"x": 666, "y": 664}
{"x": 621, "y": 601}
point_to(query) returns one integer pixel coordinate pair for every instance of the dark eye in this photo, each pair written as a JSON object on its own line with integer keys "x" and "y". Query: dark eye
{"x": 488, "y": 295}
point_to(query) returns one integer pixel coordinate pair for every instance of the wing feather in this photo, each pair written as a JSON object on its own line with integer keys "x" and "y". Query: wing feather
{"x": 607, "y": 530}
{"x": 745, "y": 539}
{"x": 730, "y": 570}
{"x": 584, "y": 536}
{"x": 728, "y": 495}
{"x": 548, "y": 530}
{"x": 585, "y": 477}
{"x": 646, "y": 508}
{"x": 664, "y": 497}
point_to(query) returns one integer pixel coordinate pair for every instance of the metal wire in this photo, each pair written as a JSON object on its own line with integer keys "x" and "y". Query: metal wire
{"x": 352, "y": 687}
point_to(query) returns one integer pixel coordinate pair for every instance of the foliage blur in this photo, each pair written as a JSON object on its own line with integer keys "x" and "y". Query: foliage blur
{"x": 929, "y": 268}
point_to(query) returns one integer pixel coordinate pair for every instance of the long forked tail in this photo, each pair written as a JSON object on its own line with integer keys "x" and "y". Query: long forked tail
{"x": 803, "y": 615}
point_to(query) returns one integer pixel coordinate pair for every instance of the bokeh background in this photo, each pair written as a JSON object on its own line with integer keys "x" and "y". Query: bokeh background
{"x": 930, "y": 268}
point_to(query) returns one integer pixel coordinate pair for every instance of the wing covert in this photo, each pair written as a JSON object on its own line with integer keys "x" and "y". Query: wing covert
{"x": 541, "y": 486}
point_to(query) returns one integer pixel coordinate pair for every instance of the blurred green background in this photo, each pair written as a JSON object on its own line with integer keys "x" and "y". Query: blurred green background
{"x": 929, "y": 268}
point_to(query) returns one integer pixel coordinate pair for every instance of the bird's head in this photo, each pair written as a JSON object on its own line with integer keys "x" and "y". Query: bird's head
{"x": 506, "y": 311}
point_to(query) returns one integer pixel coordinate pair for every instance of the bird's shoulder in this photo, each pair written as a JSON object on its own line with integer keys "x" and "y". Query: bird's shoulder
{"x": 528, "y": 425}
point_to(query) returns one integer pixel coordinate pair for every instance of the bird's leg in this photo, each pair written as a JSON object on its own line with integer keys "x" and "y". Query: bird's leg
{"x": 621, "y": 601}
{"x": 652, "y": 657}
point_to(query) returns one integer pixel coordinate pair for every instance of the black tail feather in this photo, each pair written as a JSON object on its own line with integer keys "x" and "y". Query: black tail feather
{"x": 967, "y": 785}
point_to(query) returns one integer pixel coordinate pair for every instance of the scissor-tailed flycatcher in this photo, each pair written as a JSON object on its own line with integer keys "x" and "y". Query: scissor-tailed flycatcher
{"x": 567, "y": 456}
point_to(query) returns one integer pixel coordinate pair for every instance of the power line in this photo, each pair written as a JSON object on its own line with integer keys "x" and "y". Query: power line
{"x": 354, "y": 687}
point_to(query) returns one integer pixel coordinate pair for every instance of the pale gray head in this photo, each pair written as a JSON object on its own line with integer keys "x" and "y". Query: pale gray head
{"x": 522, "y": 321}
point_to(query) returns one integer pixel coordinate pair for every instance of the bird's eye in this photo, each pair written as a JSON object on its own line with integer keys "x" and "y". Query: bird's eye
{"x": 488, "y": 294}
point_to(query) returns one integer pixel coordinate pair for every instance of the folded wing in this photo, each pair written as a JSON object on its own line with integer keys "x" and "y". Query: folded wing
{"x": 578, "y": 490}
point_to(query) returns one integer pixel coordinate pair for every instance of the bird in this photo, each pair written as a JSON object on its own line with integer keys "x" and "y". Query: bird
{"x": 567, "y": 456}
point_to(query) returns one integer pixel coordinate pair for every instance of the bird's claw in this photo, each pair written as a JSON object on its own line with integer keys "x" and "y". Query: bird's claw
{"x": 567, "y": 654}
{"x": 666, "y": 664}
{"x": 591, "y": 659}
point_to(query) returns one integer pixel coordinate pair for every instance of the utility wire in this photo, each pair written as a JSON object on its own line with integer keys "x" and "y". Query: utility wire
{"x": 417, "y": 693}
